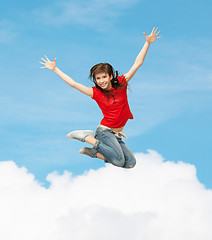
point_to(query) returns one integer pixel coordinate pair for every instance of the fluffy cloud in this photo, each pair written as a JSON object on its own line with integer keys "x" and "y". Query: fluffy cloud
{"x": 156, "y": 200}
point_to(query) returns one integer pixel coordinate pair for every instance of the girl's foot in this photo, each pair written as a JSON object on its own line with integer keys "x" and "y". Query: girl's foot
{"x": 80, "y": 134}
{"x": 88, "y": 151}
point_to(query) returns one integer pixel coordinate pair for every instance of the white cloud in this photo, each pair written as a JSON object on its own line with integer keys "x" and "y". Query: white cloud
{"x": 155, "y": 200}
{"x": 98, "y": 15}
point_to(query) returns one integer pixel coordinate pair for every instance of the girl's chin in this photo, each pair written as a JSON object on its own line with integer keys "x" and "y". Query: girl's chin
{"x": 106, "y": 88}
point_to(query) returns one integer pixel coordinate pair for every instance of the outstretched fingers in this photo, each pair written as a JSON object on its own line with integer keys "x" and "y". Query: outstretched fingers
{"x": 157, "y": 33}
{"x": 43, "y": 64}
{"x": 153, "y": 30}
{"x": 44, "y": 60}
{"x": 47, "y": 58}
{"x": 47, "y": 63}
{"x": 153, "y": 36}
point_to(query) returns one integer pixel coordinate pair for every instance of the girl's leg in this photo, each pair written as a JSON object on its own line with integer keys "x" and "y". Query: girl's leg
{"x": 92, "y": 141}
{"x": 100, "y": 156}
{"x": 108, "y": 146}
{"x": 130, "y": 159}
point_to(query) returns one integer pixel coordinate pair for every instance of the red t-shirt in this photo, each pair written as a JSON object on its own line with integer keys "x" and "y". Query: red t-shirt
{"x": 116, "y": 111}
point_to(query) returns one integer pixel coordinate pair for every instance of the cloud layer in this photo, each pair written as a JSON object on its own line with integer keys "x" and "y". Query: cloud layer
{"x": 156, "y": 200}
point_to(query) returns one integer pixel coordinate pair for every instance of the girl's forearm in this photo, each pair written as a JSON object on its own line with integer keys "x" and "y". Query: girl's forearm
{"x": 65, "y": 77}
{"x": 141, "y": 56}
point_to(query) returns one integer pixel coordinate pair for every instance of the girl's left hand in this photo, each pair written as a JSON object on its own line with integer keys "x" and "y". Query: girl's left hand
{"x": 153, "y": 36}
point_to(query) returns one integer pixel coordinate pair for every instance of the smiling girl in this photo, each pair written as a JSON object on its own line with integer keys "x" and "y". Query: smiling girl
{"x": 110, "y": 93}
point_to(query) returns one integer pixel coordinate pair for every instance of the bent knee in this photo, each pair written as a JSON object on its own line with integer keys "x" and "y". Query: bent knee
{"x": 130, "y": 164}
{"x": 118, "y": 160}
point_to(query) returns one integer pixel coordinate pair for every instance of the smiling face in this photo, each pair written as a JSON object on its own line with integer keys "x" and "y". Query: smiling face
{"x": 103, "y": 80}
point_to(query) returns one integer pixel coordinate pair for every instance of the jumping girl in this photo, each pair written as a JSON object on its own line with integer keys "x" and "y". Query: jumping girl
{"x": 110, "y": 93}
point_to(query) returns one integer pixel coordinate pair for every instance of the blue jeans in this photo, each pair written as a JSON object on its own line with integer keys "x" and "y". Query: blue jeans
{"x": 113, "y": 148}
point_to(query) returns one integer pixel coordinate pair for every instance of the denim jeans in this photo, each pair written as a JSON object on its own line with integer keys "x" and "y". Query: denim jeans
{"x": 113, "y": 148}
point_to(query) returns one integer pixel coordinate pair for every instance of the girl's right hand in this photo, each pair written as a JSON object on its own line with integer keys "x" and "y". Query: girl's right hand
{"x": 48, "y": 64}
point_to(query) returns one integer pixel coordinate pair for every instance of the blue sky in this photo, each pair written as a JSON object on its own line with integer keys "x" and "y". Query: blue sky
{"x": 170, "y": 97}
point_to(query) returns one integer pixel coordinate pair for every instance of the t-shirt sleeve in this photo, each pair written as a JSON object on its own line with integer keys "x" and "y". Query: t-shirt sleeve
{"x": 95, "y": 93}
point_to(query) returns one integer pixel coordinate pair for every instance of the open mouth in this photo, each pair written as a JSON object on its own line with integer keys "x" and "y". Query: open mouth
{"x": 103, "y": 85}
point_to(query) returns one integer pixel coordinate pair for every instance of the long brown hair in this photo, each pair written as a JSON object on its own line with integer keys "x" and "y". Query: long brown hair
{"x": 106, "y": 68}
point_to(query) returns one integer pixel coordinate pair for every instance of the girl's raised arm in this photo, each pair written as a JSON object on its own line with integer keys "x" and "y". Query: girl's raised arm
{"x": 52, "y": 66}
{"x": 141, "y": 56}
